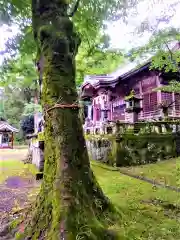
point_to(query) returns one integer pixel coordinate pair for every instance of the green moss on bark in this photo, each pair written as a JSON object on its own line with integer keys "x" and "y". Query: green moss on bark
{"x": 71, "y": 203}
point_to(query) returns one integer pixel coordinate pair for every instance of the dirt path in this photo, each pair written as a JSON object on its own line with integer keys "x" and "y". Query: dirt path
{"x": 15, "y": 190}
{"x": 12, "y": 154}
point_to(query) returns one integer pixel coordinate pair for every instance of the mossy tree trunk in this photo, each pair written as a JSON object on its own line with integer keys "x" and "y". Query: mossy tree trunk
{"x": 71, "y": 204}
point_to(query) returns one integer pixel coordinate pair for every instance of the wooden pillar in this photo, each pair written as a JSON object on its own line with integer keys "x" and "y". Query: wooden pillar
{"x": 1, "y": 135}
{"x": 159, "y": 94}
{"x": 89, "y": 111}
{"x": 111, "y": 112}
{"x": 94, "y": 112}
{"x": 141, "y": 95}
{"x": 12, "y": 143}
{"x": 173, "y": 105}
{"x": 110, "y": 105}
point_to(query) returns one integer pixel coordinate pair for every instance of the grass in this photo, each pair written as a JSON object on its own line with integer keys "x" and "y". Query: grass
{"x": 11, "y": 166}
{"x": 147, "y": 212}
{"x": 166, "y": 172}
{"x": 141, "y": 219}
{"x": 15, "y": 168}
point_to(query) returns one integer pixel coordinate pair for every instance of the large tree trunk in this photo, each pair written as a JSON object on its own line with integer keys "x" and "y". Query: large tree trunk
{"x": 71, "y": 204}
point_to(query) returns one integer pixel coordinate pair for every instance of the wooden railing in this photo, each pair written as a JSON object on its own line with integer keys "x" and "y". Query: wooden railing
{"x": 175, "y": 114}
{"x": 99, "y": 126}
{"x": 118, "y": 116}
{"x": 157, "y": 114}
{"x": 150, "y": 115}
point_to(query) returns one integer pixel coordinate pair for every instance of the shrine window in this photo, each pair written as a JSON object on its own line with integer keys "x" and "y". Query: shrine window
{"x": 177, "y": 102}
{"x": 150, "y": 102}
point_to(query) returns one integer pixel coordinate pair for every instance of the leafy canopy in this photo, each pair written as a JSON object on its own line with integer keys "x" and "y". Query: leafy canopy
{"x": 159, "y": 49}
{"x": 90, "y": 21}
{"x": 167, "y": 56}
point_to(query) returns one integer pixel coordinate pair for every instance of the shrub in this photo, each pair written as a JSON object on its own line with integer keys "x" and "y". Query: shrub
{"x": 27, "y": 124}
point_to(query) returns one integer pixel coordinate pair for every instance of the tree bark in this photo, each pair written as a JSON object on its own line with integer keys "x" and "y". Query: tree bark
{"x": 71, "y": 205}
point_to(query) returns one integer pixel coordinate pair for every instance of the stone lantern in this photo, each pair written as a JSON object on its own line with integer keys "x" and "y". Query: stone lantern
{"x": 133, "y": 107}
{"x": 85, "y": 96}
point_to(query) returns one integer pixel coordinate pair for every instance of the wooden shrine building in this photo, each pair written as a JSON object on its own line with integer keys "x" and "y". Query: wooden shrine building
{"x": 6, "y": 135}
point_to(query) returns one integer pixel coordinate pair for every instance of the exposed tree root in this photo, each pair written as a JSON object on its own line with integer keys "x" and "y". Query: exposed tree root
{"x": 88, "y": 215}
{"x": 84, "y": 218}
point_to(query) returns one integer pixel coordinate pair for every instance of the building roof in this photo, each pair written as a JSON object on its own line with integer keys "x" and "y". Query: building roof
{"x": 4, "y": 126}
{"x": 113, "y": 78}
{"x": 121, "y": 73}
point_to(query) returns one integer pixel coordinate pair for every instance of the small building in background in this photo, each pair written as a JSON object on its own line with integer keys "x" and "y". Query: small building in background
{"x": 7, "y": 135}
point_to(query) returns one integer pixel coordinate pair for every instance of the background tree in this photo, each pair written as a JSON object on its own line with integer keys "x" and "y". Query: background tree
{"x": 166, "y": 58}
{"x": 16, "y": 107}
{"x": 27, "y": 125}
{"x": 159, "y": 48}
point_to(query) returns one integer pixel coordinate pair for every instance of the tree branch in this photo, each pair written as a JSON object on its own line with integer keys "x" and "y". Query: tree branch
{"x": 172, "y": 59}
{"x": 171, "y": 54}
{"x": 3, "y": 52}
{"x": 34, "y": 21}
{"x": 171, "y": 103}
{"x": 75, "y": 9}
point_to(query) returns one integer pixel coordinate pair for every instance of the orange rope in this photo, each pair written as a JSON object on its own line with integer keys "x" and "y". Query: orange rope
{"x": 63, "y": 106}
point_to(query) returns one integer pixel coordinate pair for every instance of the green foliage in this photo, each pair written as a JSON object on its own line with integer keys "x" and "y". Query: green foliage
{"x": 90, "y": 60}
{"x": 31, "y": 108}
{"x": 131, "y": 95}
{"x": 96, "y": 62}
{"x": 130, "y": 149}
{"x": 16, "y": 104}
{"x": 144, "y": 148}
{"x": 174, "y": 86}
{"x": 27, "y": 125}
{"x": 163, "y": 55}
{"x": 163, "y": 61}
{"x": 158, "y": 42}
{"x": 13, "y": 105}
{"x": 1, "y": 108}
{"x": 19, "y": 72}
{"x": 13, "y": 10}
{"x": 90, "y": 21}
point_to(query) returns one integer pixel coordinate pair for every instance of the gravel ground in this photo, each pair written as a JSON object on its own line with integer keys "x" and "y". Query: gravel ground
{"x": 13, "y": 154}
{"x": 15, "y": 189}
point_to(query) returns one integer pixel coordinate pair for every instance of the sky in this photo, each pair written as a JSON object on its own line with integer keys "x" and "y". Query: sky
{"x": 122, "y": 35}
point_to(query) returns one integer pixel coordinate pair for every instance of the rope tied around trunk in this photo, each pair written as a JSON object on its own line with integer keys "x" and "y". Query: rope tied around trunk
{"x": 64, "y": 106}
